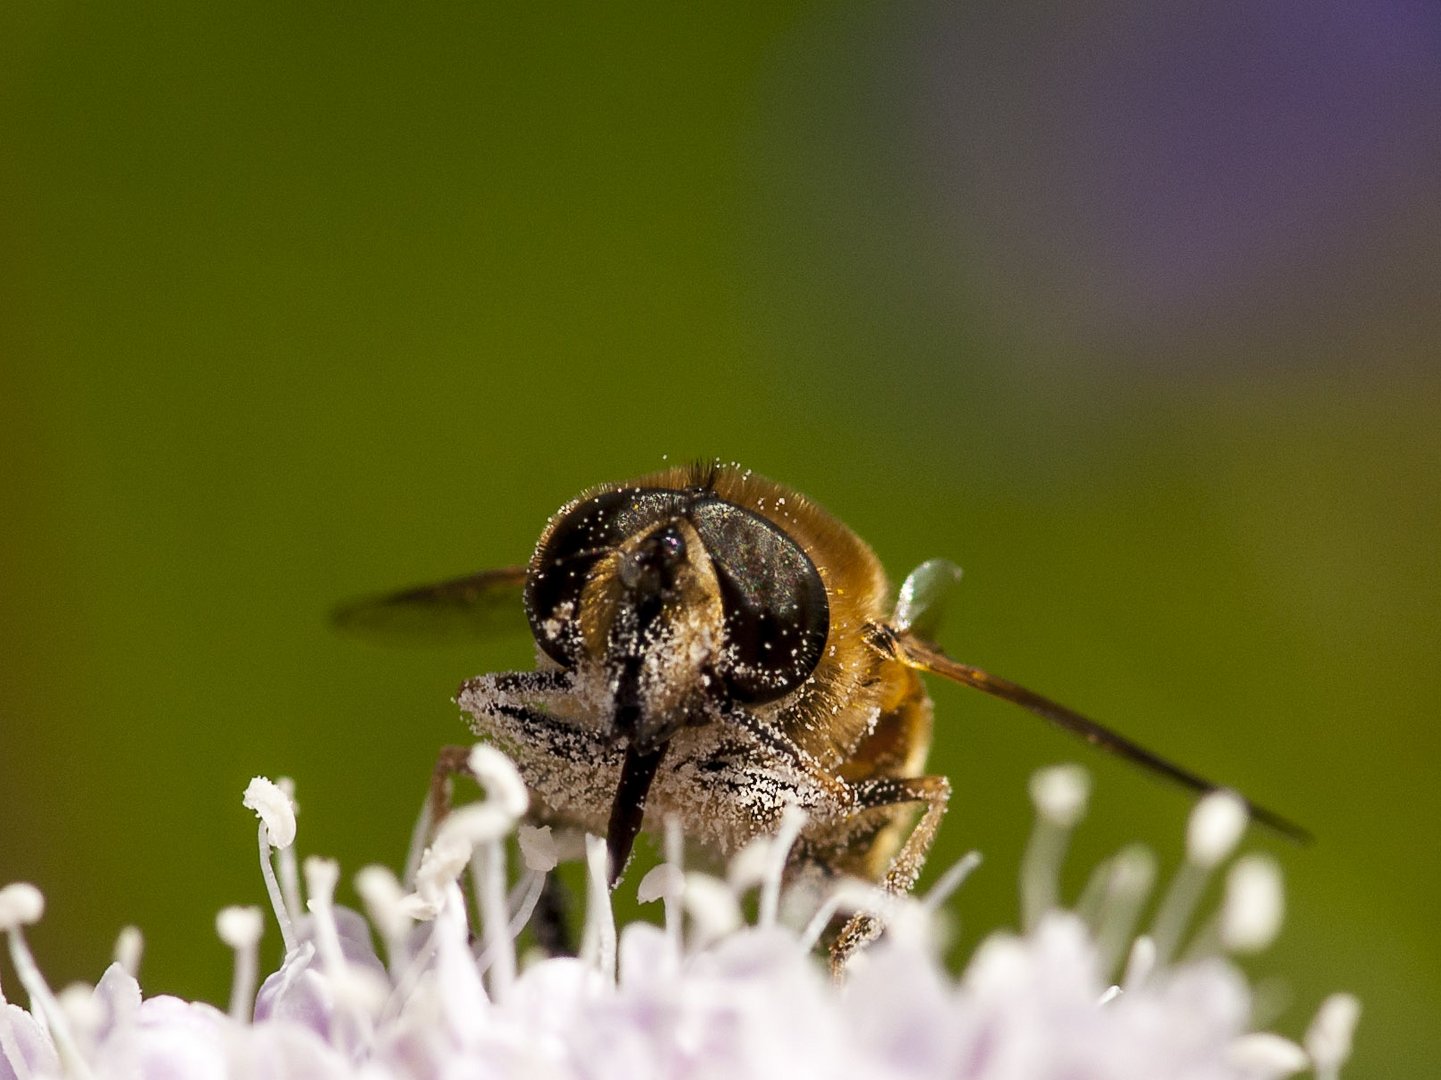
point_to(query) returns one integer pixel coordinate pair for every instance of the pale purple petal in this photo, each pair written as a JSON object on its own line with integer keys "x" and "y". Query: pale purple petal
{"x": 30, "y": 1040}
{"x": 297, "y": 993}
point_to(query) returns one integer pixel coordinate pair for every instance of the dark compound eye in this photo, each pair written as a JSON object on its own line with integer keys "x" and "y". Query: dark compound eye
{"x": 777, "y": 614}
{"x": 569, "y": 550}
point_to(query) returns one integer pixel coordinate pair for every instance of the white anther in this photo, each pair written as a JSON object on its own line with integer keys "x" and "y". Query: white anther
{"x": 1254, "y": 906}
{"x": 84, "y": 1012}
{"x": 1140, "y": 963}
{"x": 1328, "y": 1039}
{"x": 537, "y": 848}
{"x": 321, "y": 877}
{"x": 748, "y": 866}
{"x": 663, "y": 882}
{"x": 129, "y": 946}
{"x": 1060, "y": 794}
{"x": 274, "y": 809}
{"x": 21, "y": 904}
{"x": 240, "y": 927}
{"x": 277, "y": 830}
{"x": 1215, "y": 828}
{"x": 380, "y": 892}
{"x": 442, "y": 863}
{"x": 476, "y": 824}
{"x": 712, "y": 907}
{"x": 1263, "y": 1054}
{"x": 503, "y": 785}
{"x": 418, "y": 908}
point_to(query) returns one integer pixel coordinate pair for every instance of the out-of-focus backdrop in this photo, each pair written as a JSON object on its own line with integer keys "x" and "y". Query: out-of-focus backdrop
{"x": 1131, "y": 309}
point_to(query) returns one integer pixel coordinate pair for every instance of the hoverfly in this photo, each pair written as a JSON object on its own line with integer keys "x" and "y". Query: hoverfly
{"x": 715, "y": 647}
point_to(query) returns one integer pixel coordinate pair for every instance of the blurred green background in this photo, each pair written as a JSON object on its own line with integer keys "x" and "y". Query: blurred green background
{"x": 1130, "y": 309}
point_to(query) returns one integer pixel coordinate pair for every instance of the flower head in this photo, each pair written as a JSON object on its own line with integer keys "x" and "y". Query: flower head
{"x": 703, "y": 995}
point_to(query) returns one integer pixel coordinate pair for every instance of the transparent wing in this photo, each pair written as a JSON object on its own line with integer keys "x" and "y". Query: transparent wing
{"x": 924, "y": 656}
{"x": 487, "y": 604}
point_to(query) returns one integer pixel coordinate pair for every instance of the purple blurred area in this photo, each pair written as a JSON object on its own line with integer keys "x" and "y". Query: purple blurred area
{"x": 1253, "y": 183}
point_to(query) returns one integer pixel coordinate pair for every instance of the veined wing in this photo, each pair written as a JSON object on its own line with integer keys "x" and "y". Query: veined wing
{"x": 918, "y": 653}
{"x": 487, "y": 604}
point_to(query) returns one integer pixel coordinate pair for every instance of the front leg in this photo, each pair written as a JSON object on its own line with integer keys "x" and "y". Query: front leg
{"x": 503, "y": 696}
{"x": 900, "y": 878}
{"x": 557, "y": 738}
{"x": 517, "y": 710}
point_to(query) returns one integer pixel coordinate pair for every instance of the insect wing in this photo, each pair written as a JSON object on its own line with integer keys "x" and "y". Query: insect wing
{"x": 487, "y": 604}
{"x": 923, "y": 655}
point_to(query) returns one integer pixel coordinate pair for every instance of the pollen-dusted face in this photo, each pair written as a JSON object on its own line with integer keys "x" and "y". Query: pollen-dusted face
{"x": 626, "y": 577}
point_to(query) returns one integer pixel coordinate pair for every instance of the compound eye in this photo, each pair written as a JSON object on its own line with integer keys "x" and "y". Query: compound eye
{"x": 574, "y": 541}
{"x": 776, "y": 612}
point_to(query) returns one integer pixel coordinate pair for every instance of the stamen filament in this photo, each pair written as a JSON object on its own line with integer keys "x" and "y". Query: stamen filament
{"x": 489, "y": 868}
{"x": 21, "y": 905}
{"x": 598, "y": 940}
{"x": 950, "y": 881}
{"x": 1059, "y": 794}
{"x": 792, "y": 821}
{"x": 673, "y": 900}
{"x": 272, "y": 888}
{"x": 1132, "y": 874}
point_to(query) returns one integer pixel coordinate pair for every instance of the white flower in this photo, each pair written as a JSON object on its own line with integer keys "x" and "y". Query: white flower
{"x": 702, "y": 996}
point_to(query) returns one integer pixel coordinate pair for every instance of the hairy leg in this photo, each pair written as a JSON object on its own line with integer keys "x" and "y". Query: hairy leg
{"x": 933, "y": 792}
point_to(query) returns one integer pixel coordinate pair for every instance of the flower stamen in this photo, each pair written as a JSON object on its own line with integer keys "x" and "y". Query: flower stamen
{"x": 1328, "y": 1039}
{"x": 241, "y": 928}
{"x": 277, "y": 830}
{"x": 1214, "y": 830}
{"x": 129, "y": 948}
{"x": 1059, "y": 794}
{"x": 22, "y": 904}
{"x": 1132, "y": 873}
{"x": 381, "y": 893}
{"x": 598, "y": 938}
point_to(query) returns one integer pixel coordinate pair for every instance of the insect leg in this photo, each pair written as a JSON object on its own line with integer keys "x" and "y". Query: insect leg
{"x": 570, "y": 762}
{"x": 512, "y": 709}
{"x": 551, "y": 922}
{"x": 449, "y": 763}
{"x": 932, "y": 791}
{"x": 452, "y": 761}
{"x": 455, "y": 760}
{"x": 500, "y": 694}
